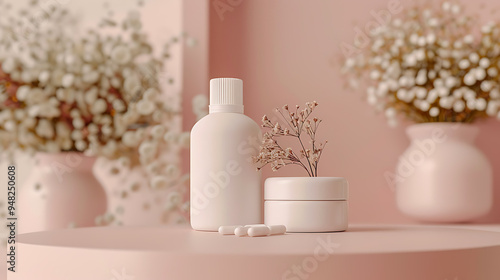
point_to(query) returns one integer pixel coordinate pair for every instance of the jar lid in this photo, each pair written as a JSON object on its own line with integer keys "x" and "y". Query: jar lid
{"x": 306, "y": 188}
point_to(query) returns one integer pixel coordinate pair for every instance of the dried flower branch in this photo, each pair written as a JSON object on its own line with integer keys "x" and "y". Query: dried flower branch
{"x": 431, "y": 66}
{"x": 296, "y": 122}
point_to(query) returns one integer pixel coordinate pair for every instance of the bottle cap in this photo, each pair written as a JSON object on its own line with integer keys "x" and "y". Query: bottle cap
{"x": 226, "y": 95}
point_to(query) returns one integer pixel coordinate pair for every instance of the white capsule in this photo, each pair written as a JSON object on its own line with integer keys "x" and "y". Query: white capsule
{"x": 258, "y": 231}
{"x": 241, "y": 231}
{"x": 277, "y": 229}
{"x": 224, "y": 230}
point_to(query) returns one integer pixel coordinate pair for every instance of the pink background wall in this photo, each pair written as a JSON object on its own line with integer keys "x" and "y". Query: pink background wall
{"x": 287, "y": 51}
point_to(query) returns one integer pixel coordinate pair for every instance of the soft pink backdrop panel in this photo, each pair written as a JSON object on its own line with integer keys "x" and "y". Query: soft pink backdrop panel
{"x": 287, "y": 51}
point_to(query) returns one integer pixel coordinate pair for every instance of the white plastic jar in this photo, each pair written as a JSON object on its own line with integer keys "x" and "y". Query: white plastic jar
{"x": 307, "y": 204}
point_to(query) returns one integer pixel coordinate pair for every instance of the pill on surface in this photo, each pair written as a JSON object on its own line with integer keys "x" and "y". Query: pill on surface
{"x": 277, "y": 229}
{"x": 227, "y": 229}
{"x": 258, "y": 231}
{"x": 241, "y": 231}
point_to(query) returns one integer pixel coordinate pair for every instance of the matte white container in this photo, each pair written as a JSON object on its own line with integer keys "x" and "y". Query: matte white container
{"x": 225, "y": 186}
{"x": 307, "y": 204}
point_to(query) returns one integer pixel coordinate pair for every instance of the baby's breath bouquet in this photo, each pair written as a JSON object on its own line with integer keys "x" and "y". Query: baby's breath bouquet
{"x": 62, "y": 91}
{"x": 431, "y": 65}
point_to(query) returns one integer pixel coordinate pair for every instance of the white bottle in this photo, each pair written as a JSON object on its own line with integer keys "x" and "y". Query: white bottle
{"x": 225, "y": 186}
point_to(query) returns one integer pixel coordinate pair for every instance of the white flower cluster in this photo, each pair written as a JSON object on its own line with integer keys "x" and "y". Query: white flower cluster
{"x": 431, "y": 66}
{"x": 96, "y": 94}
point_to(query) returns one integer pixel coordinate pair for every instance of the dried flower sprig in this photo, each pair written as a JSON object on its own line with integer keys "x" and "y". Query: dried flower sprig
{"x": 431, "y": 65}
{"x": 296, "y": 122}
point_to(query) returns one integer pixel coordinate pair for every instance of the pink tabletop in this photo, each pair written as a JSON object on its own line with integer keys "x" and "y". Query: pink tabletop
{"x": 179, "y": 253}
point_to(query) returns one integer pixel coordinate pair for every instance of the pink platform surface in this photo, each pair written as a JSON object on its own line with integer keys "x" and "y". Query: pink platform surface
{"x": 179, "y": 253}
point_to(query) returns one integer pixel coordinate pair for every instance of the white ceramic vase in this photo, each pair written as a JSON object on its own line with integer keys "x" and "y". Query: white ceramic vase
{"x": 443, "y": 177}
{"x": 61, "y": 192}
{"x": 307, "y": 204}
